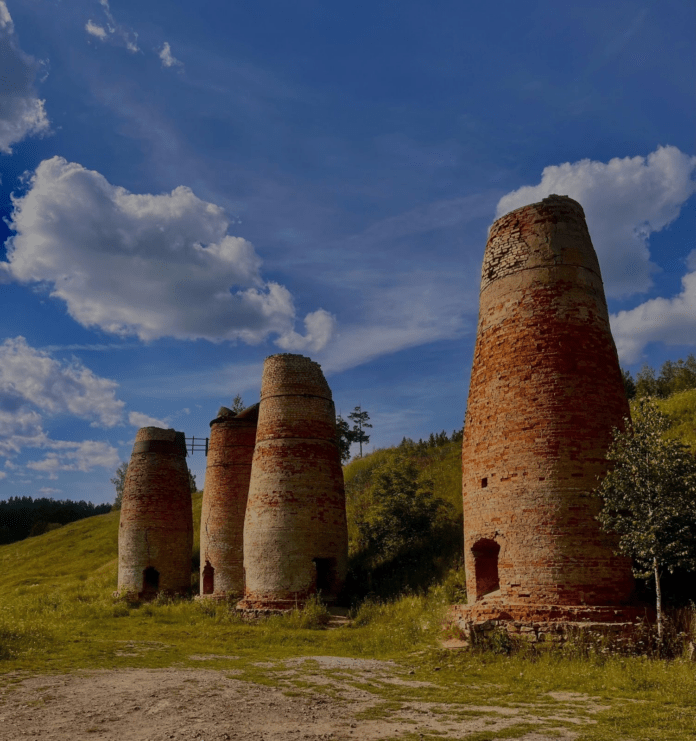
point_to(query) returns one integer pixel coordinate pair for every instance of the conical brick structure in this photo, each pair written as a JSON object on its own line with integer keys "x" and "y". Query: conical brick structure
{"x": 295, "y": 533}
{"x": 227, "y": 474}
{"x": 546, "y": 391}
{"x": 155, "y": 536}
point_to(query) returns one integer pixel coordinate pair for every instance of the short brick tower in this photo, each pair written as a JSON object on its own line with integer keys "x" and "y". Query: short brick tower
{"x": 230, "y": 451}
{"x": 155, "y": 536}
{"x": 295, "y": 533}
{"x": 546, "y": 391}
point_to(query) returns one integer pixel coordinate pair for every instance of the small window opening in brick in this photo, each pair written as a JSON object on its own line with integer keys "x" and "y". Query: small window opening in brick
{"x": 484, "y": 483}
{"x": 150, "y": 580}
{"x": 208, "y": 578}
{"x": 485, "y": 554}
{"x": 326, "y": 575}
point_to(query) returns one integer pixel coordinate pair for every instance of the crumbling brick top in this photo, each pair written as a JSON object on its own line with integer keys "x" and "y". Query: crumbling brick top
{"x": 295, "y": 375}
{"x": 248, "y": 416}
{"x": 546, "y": 234}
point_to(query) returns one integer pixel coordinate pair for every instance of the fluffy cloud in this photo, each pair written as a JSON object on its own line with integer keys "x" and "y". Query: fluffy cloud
{"x": 81, "y": 456}
{"x": 668, "y": 320}
{"x": 138, "y": 419}
{"x": 319, "y": 326}
{"x": 32, "y": 383}
{"x": 625, "y": 200}
{"x": 150, "y": 265}
{"x": 94, "y": 30}
{"x": 2, "y": 475}
{"x": 168, "y": 60}
{"x": 30, "y": 376}
{"x": 22, "y": 114}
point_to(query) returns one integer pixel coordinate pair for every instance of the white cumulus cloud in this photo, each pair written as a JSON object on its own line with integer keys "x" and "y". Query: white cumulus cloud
{"x": 30, "y": 376}
{"x": 22, "y": 113}
{"x": 625, "y": 201}
{"x": 3, "y": 475}
{"x": 168, "y": 59}
{"x": 138, "y": 419}
{"x": 668, "y": 320}
{"x": 33, "y": 384}
{"x": 95, "y": 30}
{"x": 149, "y": 265}
{"x": 319, "y": 326}
{"x": 80, "y": 456}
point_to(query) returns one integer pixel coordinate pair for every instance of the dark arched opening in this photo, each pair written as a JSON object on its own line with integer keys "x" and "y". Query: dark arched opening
{"x": 208, "y": 578}
{"x": 150, "y": 580}
{"x": 326, "y": 576}
{"x": 485, "y": 554}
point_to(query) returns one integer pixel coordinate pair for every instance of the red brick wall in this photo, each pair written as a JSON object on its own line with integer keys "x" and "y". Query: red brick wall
{"x": 230, "y": 452}
{"x": 156, "y": 528}
{"x": 545, "y": 392}
{"x": 296, "y": 508}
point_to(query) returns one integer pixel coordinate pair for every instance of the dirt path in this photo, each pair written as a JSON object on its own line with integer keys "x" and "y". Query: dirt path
{"x": 333, "y": 700}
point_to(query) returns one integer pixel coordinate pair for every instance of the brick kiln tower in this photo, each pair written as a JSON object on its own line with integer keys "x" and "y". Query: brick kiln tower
{"x": 230, "y": 452}
{"x": 295, "y": 533}
{"x": 546, "y": 390}
{"x": 155, "y": 536}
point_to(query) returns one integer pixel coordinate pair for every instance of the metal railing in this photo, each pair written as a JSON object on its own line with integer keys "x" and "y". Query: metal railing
{"x": 196, "y": 445}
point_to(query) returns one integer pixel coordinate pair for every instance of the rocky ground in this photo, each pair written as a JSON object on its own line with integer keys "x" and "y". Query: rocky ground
{"x": 316, "y": 698}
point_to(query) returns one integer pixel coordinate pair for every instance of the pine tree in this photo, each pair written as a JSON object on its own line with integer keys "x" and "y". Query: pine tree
{"x": 361, "y": 421}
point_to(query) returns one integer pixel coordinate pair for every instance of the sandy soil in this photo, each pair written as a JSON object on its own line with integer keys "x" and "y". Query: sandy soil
{"x": 214, "y": 705}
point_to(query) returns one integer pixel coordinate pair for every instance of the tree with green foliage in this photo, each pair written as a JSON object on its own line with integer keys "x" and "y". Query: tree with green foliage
{"x": 674, "y": 378}
{"x": 119, "y": 481}
{"x": 404, "y": 510}
{"x": 649, "y": 497}
{"x": 360, "y": 422}
{"x": 629, "y": 383}
{"x": 238, "y": 404}
{"x": 344, "y": 437}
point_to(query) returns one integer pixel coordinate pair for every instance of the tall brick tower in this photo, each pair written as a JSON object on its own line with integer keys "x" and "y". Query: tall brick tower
{"x": 295, "y": 533}
{"x": 155, "y": 536}
{"x": 546, "y": 390}
{"x": 230, "y": 452}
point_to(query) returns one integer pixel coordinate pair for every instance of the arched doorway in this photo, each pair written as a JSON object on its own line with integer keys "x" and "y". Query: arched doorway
{"x": 485, "y": 554}
{"x": 208, "y": 578}
{"x": 150, "y": 581}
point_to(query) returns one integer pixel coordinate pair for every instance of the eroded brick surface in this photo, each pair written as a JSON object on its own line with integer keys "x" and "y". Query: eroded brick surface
{"x": 295, "y": 533}
{"x": 155, "y": 536}
{"x": 227, "y": 474}
{"x": 545, "y": 392}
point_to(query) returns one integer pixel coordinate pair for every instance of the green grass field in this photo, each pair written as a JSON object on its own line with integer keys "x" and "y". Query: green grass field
{"x": 57, "y": 615}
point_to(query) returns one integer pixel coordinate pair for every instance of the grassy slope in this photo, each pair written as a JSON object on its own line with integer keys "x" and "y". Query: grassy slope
{"x": 57, "y": 614}
{"x": 681, "y": 410}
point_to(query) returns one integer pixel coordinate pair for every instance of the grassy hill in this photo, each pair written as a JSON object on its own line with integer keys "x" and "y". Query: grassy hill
{"x": 681, "y": 410}
{"x": 57, "y": 614}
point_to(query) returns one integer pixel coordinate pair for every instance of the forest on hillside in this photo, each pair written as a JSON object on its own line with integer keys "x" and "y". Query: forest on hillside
{"x": 22, "y": 517}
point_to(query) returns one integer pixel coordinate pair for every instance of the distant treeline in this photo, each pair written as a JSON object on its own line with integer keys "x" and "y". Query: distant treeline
{"x": 436, "y": 440}
{"x": 22, "y": 517}
{"x": 672, "y": 379}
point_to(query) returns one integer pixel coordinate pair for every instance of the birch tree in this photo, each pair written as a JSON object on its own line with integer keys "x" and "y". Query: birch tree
{"x": 650, "y": 498}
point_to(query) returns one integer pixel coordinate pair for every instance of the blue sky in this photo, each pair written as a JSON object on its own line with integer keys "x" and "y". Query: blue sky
{"x": 189, "y": 188}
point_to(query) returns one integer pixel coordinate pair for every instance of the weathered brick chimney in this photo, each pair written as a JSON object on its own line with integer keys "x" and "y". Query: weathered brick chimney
{"x": 295, "y": 533}
{"x": 227, "y": 474}
{"x": 155, "y": 536}
{"x": 546, "y": 391}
